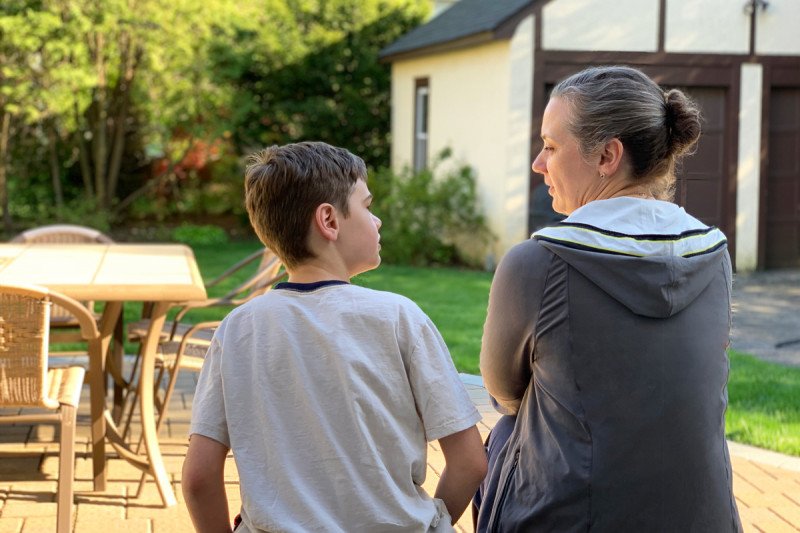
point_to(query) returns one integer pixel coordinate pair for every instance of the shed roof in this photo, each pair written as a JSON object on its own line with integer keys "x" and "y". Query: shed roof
{"x": 470, "y": 21}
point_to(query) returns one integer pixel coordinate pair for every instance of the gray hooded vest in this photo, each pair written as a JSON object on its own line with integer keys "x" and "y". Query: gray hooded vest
{"x": 606, "y": 336}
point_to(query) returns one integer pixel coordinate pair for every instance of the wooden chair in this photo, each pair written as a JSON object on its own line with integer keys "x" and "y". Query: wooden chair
{"x": 26, "y": 381}
{"x": 64, "y": 324}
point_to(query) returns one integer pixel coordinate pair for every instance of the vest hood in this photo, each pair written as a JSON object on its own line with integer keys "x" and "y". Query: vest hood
{"x": 649, "y": 255}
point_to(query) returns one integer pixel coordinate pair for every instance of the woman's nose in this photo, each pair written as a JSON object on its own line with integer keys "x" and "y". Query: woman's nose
{"x": 377, "y": 221}
{"x": 538, "y": 164}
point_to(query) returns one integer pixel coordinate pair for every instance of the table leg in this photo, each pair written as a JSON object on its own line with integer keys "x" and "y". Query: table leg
{"x": 98, "y": 349}
{"x": 146, "y": 405}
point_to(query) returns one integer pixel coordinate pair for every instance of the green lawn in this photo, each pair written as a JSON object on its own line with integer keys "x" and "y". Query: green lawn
{"x": 764, "y": 404}
{"x": 764, "y": 409}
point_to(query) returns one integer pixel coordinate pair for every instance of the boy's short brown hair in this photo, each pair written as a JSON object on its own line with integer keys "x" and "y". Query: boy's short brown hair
{"x": 284, "y": 185}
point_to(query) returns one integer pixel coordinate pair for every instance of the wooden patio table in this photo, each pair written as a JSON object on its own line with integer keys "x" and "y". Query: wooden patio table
{"x": 159, "y": 274}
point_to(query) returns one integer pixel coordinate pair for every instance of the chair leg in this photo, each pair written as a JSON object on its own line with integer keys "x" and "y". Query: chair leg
{"x": 66, "y": 469}
{"x": 161, "y": 407}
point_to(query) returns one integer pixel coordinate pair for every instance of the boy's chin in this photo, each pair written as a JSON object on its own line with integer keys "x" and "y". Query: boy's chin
{"x": 367, "y": 268}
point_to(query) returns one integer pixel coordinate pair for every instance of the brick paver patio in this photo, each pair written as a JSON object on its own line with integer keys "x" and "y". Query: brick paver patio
{"x": 766, "y": 485}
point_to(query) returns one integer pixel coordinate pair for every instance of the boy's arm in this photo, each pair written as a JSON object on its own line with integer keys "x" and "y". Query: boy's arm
{"x": 465, "y": 468}
{"x": 203, "y": 484}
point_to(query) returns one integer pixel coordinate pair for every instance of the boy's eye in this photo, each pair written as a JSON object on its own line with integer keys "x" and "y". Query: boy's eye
{"x": 547, "y": 148}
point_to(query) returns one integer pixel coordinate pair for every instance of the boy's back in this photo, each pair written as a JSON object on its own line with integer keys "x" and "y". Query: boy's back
{"x": 327, "y": 394}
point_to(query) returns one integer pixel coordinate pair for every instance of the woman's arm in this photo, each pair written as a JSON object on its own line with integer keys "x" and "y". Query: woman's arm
{"x": 509, "y": 332}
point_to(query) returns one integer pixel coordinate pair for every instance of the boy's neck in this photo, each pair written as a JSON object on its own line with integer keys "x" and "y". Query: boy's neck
{"x": 312, "y": 273}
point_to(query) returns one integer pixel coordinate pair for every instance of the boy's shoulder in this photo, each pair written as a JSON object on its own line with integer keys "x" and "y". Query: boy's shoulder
{"x": 356, "y": 297}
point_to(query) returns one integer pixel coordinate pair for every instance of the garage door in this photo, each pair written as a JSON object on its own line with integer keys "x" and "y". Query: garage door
{"x": 783, "y": 180}
{"x": 701, "y": 179}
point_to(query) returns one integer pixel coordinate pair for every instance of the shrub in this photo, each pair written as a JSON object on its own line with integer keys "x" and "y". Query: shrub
{"x": 425, "y": 217}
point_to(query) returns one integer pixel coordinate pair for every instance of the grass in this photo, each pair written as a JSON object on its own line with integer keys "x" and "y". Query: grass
{"x": 764, "y": 405}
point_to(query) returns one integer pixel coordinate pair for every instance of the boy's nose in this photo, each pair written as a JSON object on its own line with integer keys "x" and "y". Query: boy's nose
{"x": 377, "y": 221}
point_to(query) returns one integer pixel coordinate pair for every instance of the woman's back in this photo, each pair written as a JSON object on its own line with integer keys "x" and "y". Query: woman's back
{"x": 622, "y": 424}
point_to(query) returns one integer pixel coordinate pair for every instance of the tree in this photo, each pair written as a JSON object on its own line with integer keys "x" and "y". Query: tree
{"x": 309, "y": 69}
{"x": 78, "y": 70}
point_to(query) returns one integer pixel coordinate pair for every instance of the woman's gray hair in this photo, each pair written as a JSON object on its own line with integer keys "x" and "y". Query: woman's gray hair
{"x": 656, "y": 128}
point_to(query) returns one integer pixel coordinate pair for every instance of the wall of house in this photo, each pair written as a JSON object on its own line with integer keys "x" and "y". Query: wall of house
{"x": 710, "y": 26}
{"x": 622, "y": 25}
{"x": 777, "y": 28}
{"x": 748, "y": 175}
{"x": 479, "y": 106}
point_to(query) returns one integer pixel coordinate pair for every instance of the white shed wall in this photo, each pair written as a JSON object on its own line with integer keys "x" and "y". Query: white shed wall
{"x": 710, "y": 26}
{"x": 748, "y": 176}
{"x": 480, "y": 106}
{"x": 622, "y": 25}
{"x": 778, "y": 28}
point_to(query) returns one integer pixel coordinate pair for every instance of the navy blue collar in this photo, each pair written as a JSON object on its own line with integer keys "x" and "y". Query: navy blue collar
{"x": 308, "y": 287}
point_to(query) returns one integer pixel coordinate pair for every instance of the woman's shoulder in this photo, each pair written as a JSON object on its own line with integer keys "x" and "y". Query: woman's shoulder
{"x": 528, "y": 253}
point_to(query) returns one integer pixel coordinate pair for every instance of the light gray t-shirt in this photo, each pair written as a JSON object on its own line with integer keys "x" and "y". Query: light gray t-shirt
{"x": 327, "y": 394}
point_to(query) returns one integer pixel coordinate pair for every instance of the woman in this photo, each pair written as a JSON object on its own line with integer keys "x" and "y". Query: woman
{"x": 606, "y": 334}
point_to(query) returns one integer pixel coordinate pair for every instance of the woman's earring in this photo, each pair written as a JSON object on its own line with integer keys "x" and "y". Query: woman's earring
{"x": 602, "y": 176}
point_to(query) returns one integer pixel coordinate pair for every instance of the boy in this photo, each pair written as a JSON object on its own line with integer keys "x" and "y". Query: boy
{"x": 327, "y": 392}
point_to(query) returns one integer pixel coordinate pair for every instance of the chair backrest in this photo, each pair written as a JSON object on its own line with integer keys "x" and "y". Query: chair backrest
{"x": 63, "y": 233}
{"x": 267, "y": 273}
{"x": 24, "y": 327}
{"x": 24, "y": 335}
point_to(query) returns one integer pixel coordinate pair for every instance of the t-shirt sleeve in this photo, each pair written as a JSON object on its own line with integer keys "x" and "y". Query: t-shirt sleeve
{"x": 208, "y": 406}
{"x": 441, "y": 399}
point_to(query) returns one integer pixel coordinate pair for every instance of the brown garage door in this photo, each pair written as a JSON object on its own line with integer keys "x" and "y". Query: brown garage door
{"x": 701, "y": 182}
{"x": 783, "y": 180}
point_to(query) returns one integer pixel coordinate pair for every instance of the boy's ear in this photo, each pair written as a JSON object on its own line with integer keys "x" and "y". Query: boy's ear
{"x": 326, "y": 221}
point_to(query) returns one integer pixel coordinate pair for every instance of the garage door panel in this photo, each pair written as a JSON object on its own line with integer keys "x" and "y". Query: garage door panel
{"x": 703, "y": 200}
{"x": 783, "y": 179}
{"x": 782, "y": 150}
{"x": 788, "y": 235}
{"x": 784, "y": 110}
{"x": 709, "y": 165}
{"x": 701, "y": 177}
{"x": 782, "y": 199}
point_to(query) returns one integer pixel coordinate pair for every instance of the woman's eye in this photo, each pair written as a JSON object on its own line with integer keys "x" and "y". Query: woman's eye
{"x": 547, "y": 148}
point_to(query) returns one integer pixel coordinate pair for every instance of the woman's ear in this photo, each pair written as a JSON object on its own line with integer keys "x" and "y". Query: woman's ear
{"x": 611, "y": 157}
{"x": 326, "y": 221}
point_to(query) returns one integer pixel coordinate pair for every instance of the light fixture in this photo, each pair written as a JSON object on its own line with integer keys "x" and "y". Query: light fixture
{"x": 752, "y": 5}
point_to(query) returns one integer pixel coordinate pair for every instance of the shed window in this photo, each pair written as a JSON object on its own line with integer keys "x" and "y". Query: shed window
{"x": 420, "y": 124}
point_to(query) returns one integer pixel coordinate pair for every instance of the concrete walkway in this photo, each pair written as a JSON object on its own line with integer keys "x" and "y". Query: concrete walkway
{"x": 766, "y": 485}
{"x": 766, "y": 315}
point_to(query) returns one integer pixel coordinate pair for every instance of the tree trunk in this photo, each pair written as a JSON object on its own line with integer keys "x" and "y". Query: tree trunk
{"x": 83, "y": 157}
{"x": 55, "y": 171}
{"x": 123, "y": 97}
{"x": 4, "y": 129}
{"x": 99, "y": 152}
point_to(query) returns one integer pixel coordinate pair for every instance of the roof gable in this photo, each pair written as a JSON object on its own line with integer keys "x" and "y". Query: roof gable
{"x": 464, "y": 20}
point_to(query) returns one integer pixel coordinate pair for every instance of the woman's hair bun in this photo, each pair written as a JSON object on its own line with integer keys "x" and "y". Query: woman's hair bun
{"x": 682, "y": 120}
